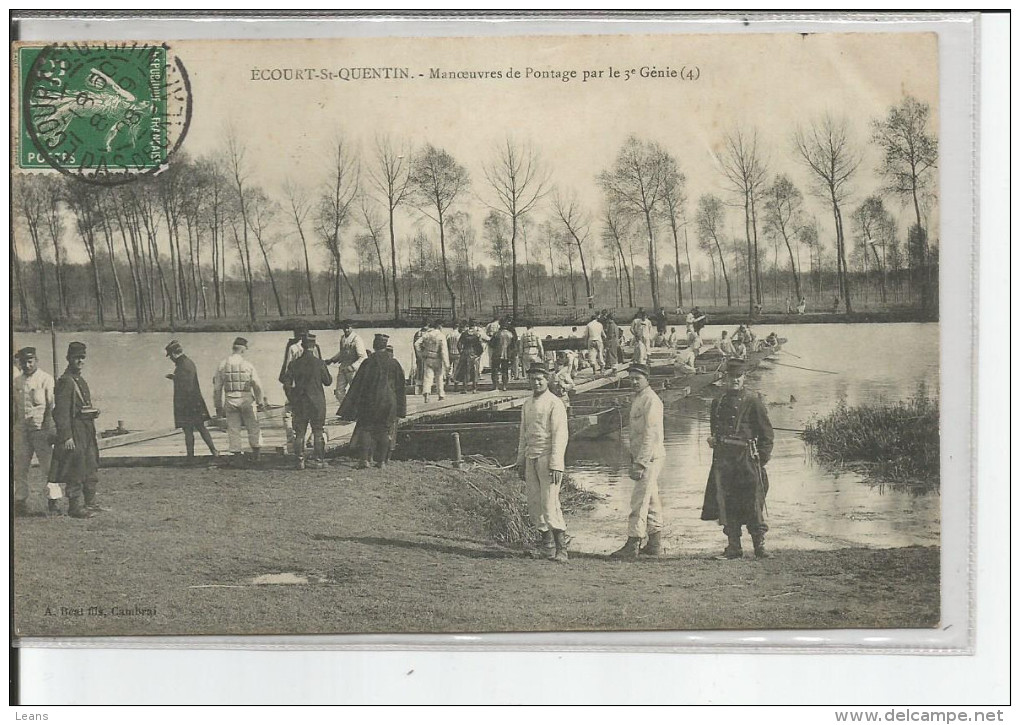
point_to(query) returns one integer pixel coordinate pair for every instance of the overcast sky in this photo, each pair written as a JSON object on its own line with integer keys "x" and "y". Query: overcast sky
{"x": 771, "y": 82}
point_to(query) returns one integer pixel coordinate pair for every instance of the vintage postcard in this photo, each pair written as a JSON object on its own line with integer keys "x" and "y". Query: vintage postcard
{"x": 422, "y": 335}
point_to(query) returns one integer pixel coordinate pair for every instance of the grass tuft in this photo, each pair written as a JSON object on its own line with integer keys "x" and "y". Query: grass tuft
{"x": 896, "y": 443}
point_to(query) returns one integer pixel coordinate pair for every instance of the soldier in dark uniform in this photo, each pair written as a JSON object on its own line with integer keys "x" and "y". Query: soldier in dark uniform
{"x": 375, "y": 400}
{"x": 305, "y": 378}
{"x": 76, "y": 452}
{"x": 190, "y": 411}
{"x": 737, "y": 484}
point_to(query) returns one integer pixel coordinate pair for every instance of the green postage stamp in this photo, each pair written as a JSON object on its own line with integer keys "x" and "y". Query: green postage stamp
{"x": 105, "y": 113}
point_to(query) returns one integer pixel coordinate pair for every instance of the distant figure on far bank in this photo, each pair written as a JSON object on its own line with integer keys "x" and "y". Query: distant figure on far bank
{"x": 802, "y": 306}
{"x": 741, "y": 442}
{"x": 190, "y": 411}
{"x": 237, "y": 395}
{"x": 76, "y": 451}
{"x": 835, "y": 304}
{"x": 375, "y": 400}
{"x": 306, "y": 377}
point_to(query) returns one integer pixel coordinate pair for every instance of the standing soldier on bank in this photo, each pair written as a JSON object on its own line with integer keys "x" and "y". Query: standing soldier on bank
{"x": 32, "y": 430}
{"x": 612, "y": 332}
{"x": 350, "y": 356}
{"x": 647, "y": 455}
{"x": 435, "y": 359}
{"x": 541, "y": 448}
{"x": 532, "y": 351}
{"x": 237, "y": 395}
{"x": 306, "y": 378}
{"x": 190, "y": 411}
{"x": 376, "y": 399}
{"x": 76, "y": 452}
{"x": 741, "y": 441}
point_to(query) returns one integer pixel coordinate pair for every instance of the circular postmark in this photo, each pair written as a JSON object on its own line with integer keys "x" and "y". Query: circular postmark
{"x": 105, "y": 113}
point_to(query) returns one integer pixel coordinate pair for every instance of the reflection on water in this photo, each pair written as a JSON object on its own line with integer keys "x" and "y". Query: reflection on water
{"x": 808, "y": 505}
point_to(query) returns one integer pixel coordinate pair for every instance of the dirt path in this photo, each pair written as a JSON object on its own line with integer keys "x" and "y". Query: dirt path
{"x": 404, "y": 551}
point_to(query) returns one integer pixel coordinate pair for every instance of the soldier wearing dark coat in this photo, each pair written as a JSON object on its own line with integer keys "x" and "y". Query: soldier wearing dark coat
{"x": 190, "y": 411}
{"x": 375, "y": 400}
{"x": 741, "y": 440}
{"x": 76, "y": 451}
{"x": 305, "y": 378}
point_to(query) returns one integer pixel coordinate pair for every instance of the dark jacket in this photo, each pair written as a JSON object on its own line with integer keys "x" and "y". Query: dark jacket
{"x": 737, "y": 415}
{"x": 189, "y": 405}
{"x": 80, "y": 465}
{"x": 376, "y": 396}
{"x": 306, "y": 378}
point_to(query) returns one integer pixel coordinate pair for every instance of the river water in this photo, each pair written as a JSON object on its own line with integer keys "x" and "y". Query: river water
{"x": 809, "y": 506}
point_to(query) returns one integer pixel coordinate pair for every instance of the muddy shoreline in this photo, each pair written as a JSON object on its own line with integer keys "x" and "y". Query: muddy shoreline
{"x": 409, "y": 549}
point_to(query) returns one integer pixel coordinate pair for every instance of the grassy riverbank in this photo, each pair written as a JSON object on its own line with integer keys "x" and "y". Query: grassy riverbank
{"x": 897, "y": 443}
{"x": 416, "y": 548}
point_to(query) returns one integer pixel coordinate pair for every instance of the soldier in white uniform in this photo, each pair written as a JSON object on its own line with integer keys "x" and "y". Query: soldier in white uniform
{"x": 237, "y": 393}
{"x": 431, "y": 350}
{"x": 541, "y": 449}
{"x": 33, "y": 429}
{"x": 350, "y": 356}
{"x": 647, "y": 454}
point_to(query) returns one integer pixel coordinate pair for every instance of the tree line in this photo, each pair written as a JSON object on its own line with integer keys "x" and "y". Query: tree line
{"x": 204, "y": 239}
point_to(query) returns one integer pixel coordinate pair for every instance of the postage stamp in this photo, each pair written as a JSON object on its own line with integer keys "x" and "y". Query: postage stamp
{"x": 105, "y": 113}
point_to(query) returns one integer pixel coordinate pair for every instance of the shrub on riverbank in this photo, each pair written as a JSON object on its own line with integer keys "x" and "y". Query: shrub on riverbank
{"x": 897, "y": 443}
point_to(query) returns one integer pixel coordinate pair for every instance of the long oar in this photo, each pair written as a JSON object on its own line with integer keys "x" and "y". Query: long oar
{"x": 798, "y": 367}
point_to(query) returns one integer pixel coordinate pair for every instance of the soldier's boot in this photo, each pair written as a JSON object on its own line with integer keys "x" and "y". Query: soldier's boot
{"x": 653, "y": 547}
{"x": 53, "y": 507}
{"x": 300, "y": 463}
{"x": 733, "y": 549}
{"x": 758, "y": 539}
{"x": 562, "y": 542}
{"x": 629, "y": 551}
{"x": 256, "y": 455}
{"x": 76, "y": 508}
{"x": 547, "y": 546}
{"x": 91, "y": 502}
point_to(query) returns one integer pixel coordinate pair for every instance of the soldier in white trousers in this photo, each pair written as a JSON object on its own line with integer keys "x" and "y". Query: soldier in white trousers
{"x": 351, "y": 354}
{"x": 648, "y": 453}
{"x": 237, "y": 394}
{"x": 32, "y": 430}
{"x": 541, "y": 449}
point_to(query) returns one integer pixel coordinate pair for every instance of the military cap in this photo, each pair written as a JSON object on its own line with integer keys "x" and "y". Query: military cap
{"x": 308, "y": 341}
{"x": 174, "y": 348}
{"x": 301, "y": 328}
{"x": 381, "y": 341}
{"x": 76, "y": 348}
{"x": 537, "y": 368}
{"x": 640, "y": 369}
{"x": 735, "y": 367}
{"x": 25, "y": 353}
{"x": 240, "y": 341}
{"x": 347, "y": 323}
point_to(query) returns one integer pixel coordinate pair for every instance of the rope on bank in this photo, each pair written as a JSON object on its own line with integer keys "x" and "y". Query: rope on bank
{"x": 813, "y": 370}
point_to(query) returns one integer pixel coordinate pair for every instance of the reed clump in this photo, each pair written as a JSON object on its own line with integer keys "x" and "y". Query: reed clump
{"x": 897, "y": 443}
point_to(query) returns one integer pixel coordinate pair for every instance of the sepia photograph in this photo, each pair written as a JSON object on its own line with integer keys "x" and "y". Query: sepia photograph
{"x": 506, "y": 334}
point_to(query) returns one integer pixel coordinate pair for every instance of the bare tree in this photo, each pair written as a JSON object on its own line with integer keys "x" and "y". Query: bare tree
{"x": 827, "y": 151}
{"x": 263, "y": 210}
{"x": 744, "y": 168}
{"x": 30, "y": 201}
{"x": 495, "y": 229}
{"x": 83, "y": 202}
{"x": 910, "y": 158}
{"x": 519, "y": 181}
{"x": 374, "y": 226}
{"x": 54, "y": 219}
{"x": 674, "y": 198}
{"x": 238, "y": 169}
{"x": 616, "y": 228}
{"x": 783, "y": 203}
{"x": 437, "y": 180}
{"x": 299, "y": 208}
{"x": 875, "y": 228}
{"x": 391, "y": 178}
{"x": 710, "y": 221}
{"x": 335, "y": 206}
{"x": 577, "y": 222}
{"x": 635, "y": 185}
